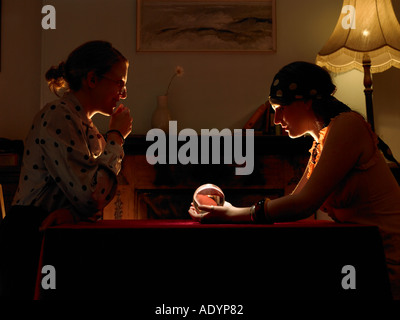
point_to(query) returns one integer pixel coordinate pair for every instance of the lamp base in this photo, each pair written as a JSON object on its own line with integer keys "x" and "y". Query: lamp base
{"x": 368, "y": 90}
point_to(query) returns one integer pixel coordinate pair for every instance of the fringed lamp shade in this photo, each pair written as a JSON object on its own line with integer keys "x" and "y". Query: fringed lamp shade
{"x": 364, "y": 27}
{"x": 367, "y": 38}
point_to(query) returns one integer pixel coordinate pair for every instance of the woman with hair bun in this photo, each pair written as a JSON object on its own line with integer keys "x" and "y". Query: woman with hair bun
{"x": 346, "y": 176}
{"x": 69, "y": 170}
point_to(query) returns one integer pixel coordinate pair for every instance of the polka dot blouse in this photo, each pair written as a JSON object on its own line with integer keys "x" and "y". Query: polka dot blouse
{"x": 67, "y": 163}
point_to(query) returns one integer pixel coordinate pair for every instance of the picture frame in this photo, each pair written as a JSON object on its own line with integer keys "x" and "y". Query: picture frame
{"x": 206, "y": 26}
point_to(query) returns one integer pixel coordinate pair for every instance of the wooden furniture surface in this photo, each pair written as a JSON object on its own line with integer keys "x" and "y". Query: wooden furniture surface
{"x": 165, "y": 191}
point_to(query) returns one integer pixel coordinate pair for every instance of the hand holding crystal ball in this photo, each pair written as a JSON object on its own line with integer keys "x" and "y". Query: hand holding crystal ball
{"x": 209, "y": 195}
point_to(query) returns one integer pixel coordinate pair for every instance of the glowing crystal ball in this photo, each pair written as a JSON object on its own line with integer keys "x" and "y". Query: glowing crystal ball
{"x": 208, "y": 194}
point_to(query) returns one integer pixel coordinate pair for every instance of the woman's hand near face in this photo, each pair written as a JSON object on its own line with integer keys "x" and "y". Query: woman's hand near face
{"x": 121, "y": 120}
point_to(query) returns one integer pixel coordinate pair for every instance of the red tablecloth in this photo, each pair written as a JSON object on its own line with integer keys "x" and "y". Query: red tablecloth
{"x": 188, "y": 224}
{"x": 182, "y": 259}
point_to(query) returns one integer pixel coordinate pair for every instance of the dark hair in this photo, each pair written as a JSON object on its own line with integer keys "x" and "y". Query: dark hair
{"x": 97, "y": 56}
{"x": 306, "y": 81}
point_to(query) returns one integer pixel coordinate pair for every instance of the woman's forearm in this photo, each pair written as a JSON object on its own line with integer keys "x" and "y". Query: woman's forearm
{"x": 288, "y": 208}
{"x": 240, "y": 214}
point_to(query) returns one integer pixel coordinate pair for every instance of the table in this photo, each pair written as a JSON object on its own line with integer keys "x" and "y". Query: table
{"x": 186, "y": 260}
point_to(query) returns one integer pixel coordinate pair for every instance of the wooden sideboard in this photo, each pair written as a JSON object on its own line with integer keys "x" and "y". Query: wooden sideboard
{"x": 165, "y": 191}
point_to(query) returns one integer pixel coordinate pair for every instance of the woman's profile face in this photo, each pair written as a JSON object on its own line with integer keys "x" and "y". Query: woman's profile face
{"x": 295, "y": 118}
{"x": 111, "y": 88}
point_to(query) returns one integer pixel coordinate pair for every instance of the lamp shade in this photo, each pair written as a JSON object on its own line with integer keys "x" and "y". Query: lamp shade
{"x": 364, "y": 27}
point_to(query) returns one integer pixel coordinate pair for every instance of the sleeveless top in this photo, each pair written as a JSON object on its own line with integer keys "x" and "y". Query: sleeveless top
{"x": 368, "y": 195}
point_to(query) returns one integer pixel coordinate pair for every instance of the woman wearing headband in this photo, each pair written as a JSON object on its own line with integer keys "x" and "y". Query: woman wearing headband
{"x": 346, "y": 176}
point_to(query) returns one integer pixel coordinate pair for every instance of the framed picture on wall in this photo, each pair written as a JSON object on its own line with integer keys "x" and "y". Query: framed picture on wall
{"x": 200, "y": 26}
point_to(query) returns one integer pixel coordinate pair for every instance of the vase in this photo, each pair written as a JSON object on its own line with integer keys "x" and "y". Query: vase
{"x": 161, "y": 115}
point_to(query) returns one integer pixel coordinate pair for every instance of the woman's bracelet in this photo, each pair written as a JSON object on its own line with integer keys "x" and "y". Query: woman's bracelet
{"x": 116, "y": 131}
{"x": 258, "y": 214}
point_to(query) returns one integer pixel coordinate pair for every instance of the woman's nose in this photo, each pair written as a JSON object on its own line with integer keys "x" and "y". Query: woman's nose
{"x": 124, "y": 93}
{"x": 277, "y": 117}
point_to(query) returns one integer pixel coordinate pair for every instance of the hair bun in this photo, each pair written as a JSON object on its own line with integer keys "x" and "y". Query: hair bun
{"x": 61, "y": 69}
{"x": 56, "y": 72}
{"x": 55, "y": 77}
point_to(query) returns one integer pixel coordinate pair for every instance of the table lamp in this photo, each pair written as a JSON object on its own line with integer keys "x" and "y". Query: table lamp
{"x": 367, "y": 38}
